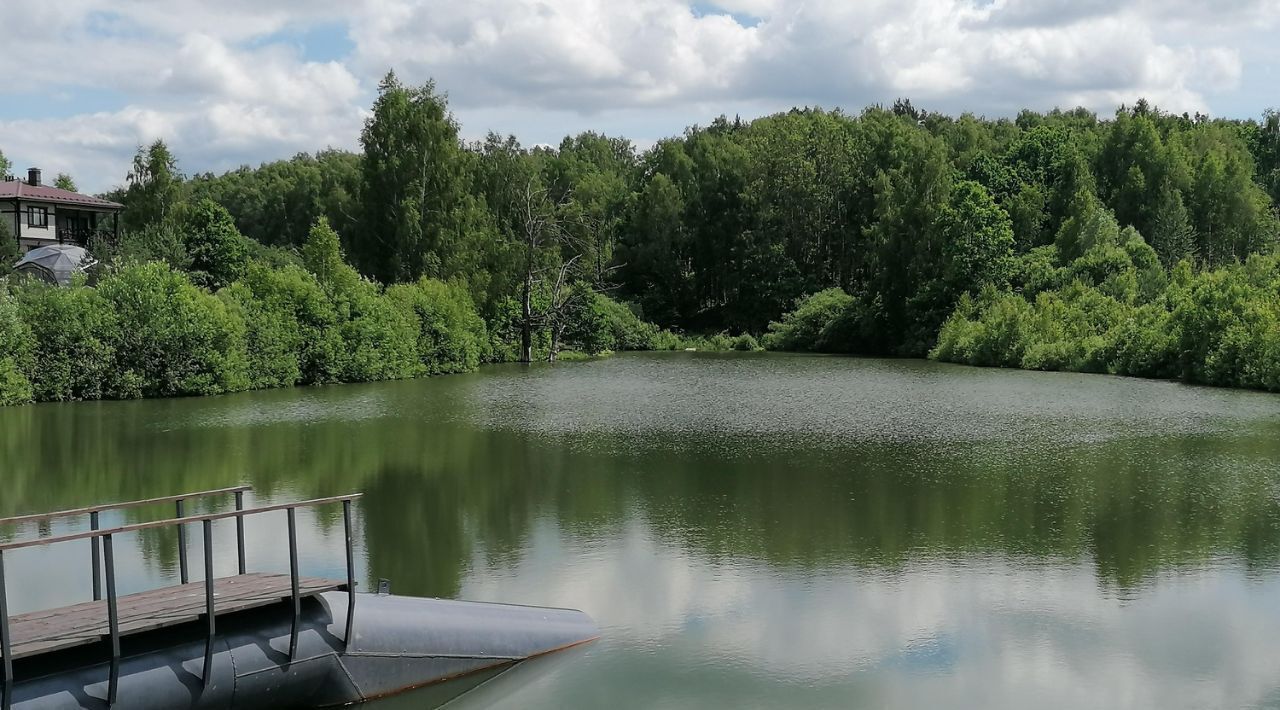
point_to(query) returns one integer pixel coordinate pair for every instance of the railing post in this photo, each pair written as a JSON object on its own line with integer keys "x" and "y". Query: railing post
{"x": 208, "y": 602}
{"x": 293, "y": 580}
{"x": 240, "y": 532}
{"x": 95, "y": 556}
{"x": 182, "y": 542}
{"x": 113, "y": 620}
{"x": 6, "y": 667}
{"x": 351, "y": 576}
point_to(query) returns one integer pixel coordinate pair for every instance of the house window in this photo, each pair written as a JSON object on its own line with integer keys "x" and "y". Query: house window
{"x": 37, "y": 216}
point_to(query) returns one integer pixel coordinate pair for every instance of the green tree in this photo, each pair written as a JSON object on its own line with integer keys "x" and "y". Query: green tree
{"x": 65, "y": 182}
{"x": 590, "y": 173}
{"x": 219, "y": 253}
{"x": 418, "y": 216}
{"x": 905, "y": 244}
{"x": 322, "y": 255}
{"x": 1266, "y": 153}
{"x": 1232, "y": 215}
{"x": 1171, "y": 233}
{"x": 1136, "y": 165}
{"x": 8, "y": 249}
{"x": 657, "y": 251}
{"x": 154, "y": 187}
{"x": 277, "y": 203}
{"x": 502, "y": 174}
{"x": 978, "y": 242}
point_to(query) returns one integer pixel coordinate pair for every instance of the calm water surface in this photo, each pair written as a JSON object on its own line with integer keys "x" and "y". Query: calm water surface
{"x": 749, "y": 530}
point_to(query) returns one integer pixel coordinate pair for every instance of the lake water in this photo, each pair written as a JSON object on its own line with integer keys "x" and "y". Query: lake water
{"x": 748, "y": 530}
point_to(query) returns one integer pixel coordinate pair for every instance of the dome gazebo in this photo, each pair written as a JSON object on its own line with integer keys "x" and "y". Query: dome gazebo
{"x": 56, "y": 264}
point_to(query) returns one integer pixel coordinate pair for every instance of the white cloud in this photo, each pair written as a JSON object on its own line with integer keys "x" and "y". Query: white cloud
{"x": 585, "y": 54}
{"x": 216, "y": 105}
{"x": 225, "y": 77}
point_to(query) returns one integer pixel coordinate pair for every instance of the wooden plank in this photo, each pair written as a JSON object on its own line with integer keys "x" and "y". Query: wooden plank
{"x": 164, "y": 595}
{"x": 228, "y": 591}
{"x": 228, "y": 588}
{"x": 86, "y": 623}
{"x": 158, "y": 611}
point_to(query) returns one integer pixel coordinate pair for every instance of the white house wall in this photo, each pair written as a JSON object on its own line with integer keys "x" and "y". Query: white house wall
{"x": 31, "y": 237}
{"x": 49, "y": 232}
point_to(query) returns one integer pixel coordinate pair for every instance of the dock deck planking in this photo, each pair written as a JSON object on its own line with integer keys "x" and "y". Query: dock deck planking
{"x": 82, "y": 624}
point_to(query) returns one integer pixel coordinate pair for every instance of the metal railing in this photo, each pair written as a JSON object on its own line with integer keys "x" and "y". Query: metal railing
{"x": 179, "y": 502}
{"x": 79, "y": 236}
{"x": 113, "y": 621}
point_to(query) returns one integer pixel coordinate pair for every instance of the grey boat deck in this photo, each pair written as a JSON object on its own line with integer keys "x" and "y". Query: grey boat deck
{"x": 83, "y": 624}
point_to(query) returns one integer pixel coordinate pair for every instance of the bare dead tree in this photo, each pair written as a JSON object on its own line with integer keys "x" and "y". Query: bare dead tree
{"x": 563, "y": 297}
{"x": 546, "y": 227}
{"x": 541, "y": 228}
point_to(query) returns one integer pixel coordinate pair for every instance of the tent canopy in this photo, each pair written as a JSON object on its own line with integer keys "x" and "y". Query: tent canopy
{"x": 55, "y": 264}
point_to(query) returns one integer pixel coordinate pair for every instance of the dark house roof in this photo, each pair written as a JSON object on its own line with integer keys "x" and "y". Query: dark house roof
{"x": 19, "y": 190}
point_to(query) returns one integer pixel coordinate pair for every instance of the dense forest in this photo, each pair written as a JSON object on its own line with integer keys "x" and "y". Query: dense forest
{"x": 1142, "y": 243}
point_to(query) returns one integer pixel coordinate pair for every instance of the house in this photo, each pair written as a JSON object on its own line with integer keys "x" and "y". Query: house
{"x": 40, "y": 215}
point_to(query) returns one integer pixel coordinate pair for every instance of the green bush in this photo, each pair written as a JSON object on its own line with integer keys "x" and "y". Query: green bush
{"x": 745, "y": 343}
{"x": 1228, "y": 325}
{"x": 810, "y": 326}
{"x": 622, "y": 329}
{"x": 716, "y": 342}
{"x": 595, "y": 323}
{"x": 990, "y": 330}
{"x": 667, "y": 340}
{"x": 297, "y": 295}
{"x": 8, "y": 249}
{"x": 75, "y": 332}
{"x": 577, "y": 356}
{"x": 1037, "y": 271}
{"x": 16, "y": 348}
{"x": 379, "y": 335}
{"x": 158, "y": 242}
{"x": 173, "y": 338}
{"x": 504, "y": 331}
{"x": 273, "y": 338}
{"x": 1124, "y": 314}
{"x": 146, "y": 330}
{"x": 1143, "y": 344}
{"x": 451, "y": 335}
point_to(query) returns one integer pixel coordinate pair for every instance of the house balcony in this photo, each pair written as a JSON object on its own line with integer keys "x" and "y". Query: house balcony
{"x": 80, "y": 236}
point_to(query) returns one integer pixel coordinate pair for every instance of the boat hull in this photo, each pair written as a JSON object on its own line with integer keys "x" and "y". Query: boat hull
{"x": 398, "y": 644}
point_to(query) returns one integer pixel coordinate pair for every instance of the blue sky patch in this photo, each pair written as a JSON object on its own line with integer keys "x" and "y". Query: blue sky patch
{"x": 703, "y": 9}
{"x": 326, "y": 42}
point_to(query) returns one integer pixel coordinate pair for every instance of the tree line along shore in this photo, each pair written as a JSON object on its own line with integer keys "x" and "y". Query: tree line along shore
{"x": 1139, "y": 244}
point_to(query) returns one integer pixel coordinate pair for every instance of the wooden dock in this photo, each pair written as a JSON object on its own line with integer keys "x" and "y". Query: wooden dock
{"x": 83, "y": 624}
{"x": 108, "y": 620}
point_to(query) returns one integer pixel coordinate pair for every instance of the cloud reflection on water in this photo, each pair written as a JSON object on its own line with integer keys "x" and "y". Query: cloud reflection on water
{"x": 984, "y": 632}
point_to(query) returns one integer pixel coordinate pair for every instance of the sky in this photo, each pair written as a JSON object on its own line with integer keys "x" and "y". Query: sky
{"x": 247, "y": 81}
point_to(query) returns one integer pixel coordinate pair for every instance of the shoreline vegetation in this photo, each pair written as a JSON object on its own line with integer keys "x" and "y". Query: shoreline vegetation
{"x": 1143, "y": 244}
{"x": 145, "y": 329}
